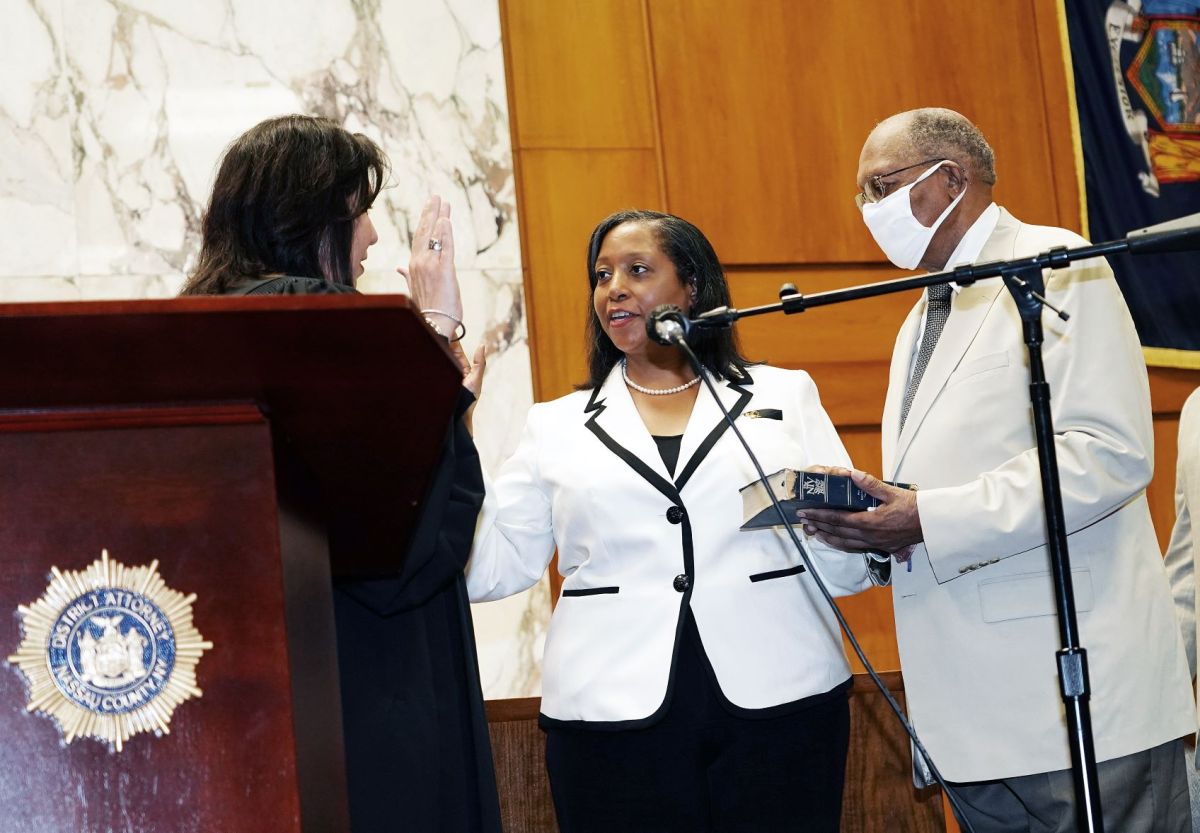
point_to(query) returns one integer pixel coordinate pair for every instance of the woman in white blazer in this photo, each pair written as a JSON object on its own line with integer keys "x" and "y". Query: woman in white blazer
{"x": 693, "y": 677}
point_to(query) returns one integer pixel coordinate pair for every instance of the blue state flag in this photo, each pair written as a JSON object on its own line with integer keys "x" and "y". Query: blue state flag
{"x": 1137, "y": 91}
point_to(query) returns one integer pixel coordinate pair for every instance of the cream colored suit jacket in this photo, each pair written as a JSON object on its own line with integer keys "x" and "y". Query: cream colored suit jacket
{"x": 1184, "y": 550}
{"x": 975, "y": 616}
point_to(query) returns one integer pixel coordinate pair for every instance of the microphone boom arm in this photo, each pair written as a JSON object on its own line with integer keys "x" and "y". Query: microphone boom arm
{"x": 1177, "y": 235}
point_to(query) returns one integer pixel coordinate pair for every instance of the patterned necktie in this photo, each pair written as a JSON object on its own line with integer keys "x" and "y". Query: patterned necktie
{"x": 935, "y": 319}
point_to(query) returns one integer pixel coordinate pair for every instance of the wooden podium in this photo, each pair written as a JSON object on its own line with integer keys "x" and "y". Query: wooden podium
{"x": 252, "y": 446}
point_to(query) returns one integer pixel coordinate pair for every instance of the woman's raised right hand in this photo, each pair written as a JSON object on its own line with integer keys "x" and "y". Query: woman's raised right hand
{"x": 432, "y": 279}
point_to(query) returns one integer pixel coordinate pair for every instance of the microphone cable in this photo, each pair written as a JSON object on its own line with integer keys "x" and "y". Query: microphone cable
{"x": 681, "y": 342}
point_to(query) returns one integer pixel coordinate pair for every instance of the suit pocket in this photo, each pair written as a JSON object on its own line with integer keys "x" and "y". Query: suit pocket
{"x": 1029, "y": 595}
{"x": 790, "y": 571}
{"x": 976, "y": 367}
{"x": 591, "y": 591}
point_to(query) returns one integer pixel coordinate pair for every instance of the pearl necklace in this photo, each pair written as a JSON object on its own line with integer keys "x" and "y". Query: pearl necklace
{"x": 653, "y": 391}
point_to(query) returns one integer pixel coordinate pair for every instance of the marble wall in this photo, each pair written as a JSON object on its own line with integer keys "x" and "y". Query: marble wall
{"x": 113, "y": 114}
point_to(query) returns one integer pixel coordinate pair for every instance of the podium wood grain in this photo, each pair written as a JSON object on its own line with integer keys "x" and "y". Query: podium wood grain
{"x": 186, "y": 496}
{"x": 252, "y": 446}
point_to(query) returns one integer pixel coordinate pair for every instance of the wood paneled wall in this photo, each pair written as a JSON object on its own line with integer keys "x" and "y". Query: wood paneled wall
{"x": 746, "y": 117}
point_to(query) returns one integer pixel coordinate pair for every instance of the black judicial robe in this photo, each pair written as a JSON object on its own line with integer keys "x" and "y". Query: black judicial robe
{"x": 418, "y": 755}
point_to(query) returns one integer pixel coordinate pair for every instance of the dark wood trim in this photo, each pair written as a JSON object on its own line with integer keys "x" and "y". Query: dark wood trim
{"x": 892, "y": 679}
{"x": 219, "y": 413}
{"x": 193, "y": 304}
{"x": 1170, "y": 387}
{"x": 517, "y": 708}
{"x": 312, "y": 653}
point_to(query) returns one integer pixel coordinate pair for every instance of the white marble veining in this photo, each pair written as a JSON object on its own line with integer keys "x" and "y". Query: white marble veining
{"x": 113, "y": 114}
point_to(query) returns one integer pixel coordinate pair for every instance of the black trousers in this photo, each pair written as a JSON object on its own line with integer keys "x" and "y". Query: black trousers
{"x": 700, "y": 768}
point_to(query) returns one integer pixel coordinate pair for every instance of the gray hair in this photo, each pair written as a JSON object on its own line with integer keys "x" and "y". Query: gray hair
{"x": 938, "y": 133}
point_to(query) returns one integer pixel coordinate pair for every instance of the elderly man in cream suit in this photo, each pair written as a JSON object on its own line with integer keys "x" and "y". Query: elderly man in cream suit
{"x": 975, "y": 615}
{"x": 1184, "y": 549}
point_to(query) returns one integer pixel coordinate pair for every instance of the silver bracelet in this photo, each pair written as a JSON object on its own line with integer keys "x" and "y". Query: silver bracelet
{"x": 460, "y": 329}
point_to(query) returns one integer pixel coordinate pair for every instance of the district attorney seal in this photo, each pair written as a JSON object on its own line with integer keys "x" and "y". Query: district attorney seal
{"x": 109, "y": 651}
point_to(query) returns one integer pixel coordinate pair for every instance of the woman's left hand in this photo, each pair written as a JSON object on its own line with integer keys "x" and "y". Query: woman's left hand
{"x": 472, "y": 370}
{"x": 472, "y": 376}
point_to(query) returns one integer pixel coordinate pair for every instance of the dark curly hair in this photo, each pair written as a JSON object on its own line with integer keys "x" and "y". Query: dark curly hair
{"x": 697, "y": 265}
{"x": 284, "y": 202}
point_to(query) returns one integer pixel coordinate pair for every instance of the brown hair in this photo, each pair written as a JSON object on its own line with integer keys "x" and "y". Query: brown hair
{"x": 284, "y": 201}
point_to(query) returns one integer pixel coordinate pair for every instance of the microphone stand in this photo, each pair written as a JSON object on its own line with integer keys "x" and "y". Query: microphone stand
{"x": 1023, "y": 278}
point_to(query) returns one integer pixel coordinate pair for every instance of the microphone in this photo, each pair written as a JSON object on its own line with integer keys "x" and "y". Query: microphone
{"x": 1178, "y": 235}
{"x": 668, "y": 325}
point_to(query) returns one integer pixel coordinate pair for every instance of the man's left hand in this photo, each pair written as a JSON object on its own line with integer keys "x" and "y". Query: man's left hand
{"x": 890, "y": 527}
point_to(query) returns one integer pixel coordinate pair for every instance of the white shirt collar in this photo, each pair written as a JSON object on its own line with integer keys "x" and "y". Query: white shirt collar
{"x": 972, "y": 243}
{"x": 967, "y": 251}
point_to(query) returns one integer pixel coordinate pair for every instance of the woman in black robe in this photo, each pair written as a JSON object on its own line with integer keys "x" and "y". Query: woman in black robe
{"x": 289, "y": 216}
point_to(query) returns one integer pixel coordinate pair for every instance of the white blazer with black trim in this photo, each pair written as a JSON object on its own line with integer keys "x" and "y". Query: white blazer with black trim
{"x": 636, "y": 546}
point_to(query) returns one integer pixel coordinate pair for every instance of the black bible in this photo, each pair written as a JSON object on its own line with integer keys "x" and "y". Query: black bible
{"x": 803, "y": 490}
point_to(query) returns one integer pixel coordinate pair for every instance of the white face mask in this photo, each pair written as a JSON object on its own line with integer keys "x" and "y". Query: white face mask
{"x": 897, "y": 230}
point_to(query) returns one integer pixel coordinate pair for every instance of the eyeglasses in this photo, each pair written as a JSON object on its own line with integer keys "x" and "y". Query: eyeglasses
{"x": 875, "y": 189}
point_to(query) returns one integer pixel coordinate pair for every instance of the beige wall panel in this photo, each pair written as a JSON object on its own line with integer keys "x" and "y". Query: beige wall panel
{"x": 764, "y": 105}
{"x": 579, "y": 73}
{"x": 566, "y": 193}
{"x": 852, "y": 332}
{"x": 1161, "y": 493}
{"x": 869, "y": 613}
{"x": 1058, "y": 103}
{"x": 870, "y": 616}
{"x": 846, "y": 348}
{"x": 1170, "y": 388}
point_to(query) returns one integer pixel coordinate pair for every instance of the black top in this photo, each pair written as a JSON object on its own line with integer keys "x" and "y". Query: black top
{"x": 289, "y": 285}
{"x": 418, "y": 754}
{"x": 668, "y": 449}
